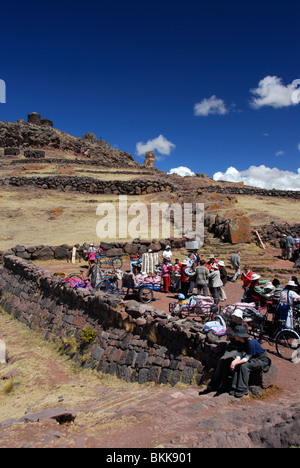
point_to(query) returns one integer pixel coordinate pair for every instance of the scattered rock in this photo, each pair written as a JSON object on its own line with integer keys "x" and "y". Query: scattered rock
{"x": 284, "y": 434}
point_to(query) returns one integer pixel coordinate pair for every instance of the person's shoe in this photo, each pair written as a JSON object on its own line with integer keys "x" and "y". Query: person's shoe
{"x": 207, "y": 390}
{"x": 240, "y": 394}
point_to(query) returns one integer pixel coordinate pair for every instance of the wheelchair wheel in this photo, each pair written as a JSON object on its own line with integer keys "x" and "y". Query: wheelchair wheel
{"x": 145, "y": 294}
{"x": 287, "y": 344}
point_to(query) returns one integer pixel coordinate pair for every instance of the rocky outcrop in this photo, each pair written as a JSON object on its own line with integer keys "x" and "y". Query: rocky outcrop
{"x": 273, "y": 232}
{"x": 27, "y": 135}
{"x": 284, "y": 432}
{"x": 234, "y": 228}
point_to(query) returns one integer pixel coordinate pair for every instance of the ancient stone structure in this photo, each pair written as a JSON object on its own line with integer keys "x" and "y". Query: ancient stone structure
{"x": 34, "y": 154}
{"x": 11, "y": 151}
{"x": 35, "y": 119}
{"x": 149, "y": 159}
{"x": 46, "y": 123}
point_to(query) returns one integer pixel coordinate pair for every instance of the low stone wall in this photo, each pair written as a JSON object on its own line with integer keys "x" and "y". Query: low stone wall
{"x": 111, "y": 249}
{"x": 90, "y": 185}
{"x": 133, "y": 341}
{"x": 247, "y": 190}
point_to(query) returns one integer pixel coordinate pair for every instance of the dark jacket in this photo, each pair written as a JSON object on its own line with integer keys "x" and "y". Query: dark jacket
{"x": 223, "y": 274}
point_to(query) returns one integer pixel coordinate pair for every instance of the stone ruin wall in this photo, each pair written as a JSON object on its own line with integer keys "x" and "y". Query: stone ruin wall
{"x": 89, "y": 185}
{"x": 134, "y": 341}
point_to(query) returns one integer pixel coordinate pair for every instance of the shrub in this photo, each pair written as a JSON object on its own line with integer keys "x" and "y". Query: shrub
{"x": 88, "y": 335}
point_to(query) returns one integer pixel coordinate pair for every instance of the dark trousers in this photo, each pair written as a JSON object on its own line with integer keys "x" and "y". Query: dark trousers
{"x": 241, "y": 373}
{"x": 202, "y": 287}
{"x": 220, "y": 379}
{"x": 215, "y": 294}
{"x": 185, "y": 288}
{"x": 240, "y": 380}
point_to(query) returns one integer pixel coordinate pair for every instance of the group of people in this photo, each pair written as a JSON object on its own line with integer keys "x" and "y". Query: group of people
{"x": 261, "y": 291}
{"x": 290, "y": 247}
{"x": 193, "y": 272}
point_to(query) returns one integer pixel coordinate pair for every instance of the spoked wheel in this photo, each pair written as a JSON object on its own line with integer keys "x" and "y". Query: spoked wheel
{"x": 75, "y": 275}
{"x": 117, "y": 263}
{"x": 288, "y": 344}
{"x": 146, "y": 294}
{"x": 112, "y": 288}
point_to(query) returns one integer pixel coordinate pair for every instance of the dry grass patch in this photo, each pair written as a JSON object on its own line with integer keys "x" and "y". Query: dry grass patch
{"x": 263, "y": 209}
{"x": 49, "y": 217}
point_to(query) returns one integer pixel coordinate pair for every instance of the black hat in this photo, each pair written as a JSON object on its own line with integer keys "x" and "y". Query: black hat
{"x": 241, "y": 331}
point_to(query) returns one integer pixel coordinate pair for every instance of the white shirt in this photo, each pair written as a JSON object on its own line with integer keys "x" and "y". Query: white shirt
{"x": 167, "y": 254}
{"x": 293, "y": 297}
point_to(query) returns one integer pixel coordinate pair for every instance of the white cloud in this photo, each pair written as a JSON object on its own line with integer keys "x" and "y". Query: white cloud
{"x": 298, "y": 146}
{"x": 272, "y": 92}
{"x": 182, "y": 171}
{"x": 213, "y": 105}
{"x": 263, "y": 177}
{"x": 280, "y": 153}
{"x": 161, "y": 144}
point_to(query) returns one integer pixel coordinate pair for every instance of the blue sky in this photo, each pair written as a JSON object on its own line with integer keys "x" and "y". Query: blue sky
{"x": 171, "y": 76}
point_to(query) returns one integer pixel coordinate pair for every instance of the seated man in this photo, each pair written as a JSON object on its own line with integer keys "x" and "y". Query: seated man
{"x": 242, "y": 356}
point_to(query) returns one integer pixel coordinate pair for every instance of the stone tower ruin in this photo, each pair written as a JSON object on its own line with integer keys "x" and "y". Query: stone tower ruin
{"x": 149, "y": 159}
{"x": 35, "y": 118}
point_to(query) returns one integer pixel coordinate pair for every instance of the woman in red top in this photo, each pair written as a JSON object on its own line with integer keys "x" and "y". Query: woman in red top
{"x": 186, "y": 274}
{"x": 246, "y": 278}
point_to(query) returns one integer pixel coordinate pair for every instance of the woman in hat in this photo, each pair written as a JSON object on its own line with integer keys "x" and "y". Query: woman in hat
{"x": 167, "y": 254}
{"x": 244, "y": 356}
{"x": 236, "y": 318}
{"x": 284, "y": 310}
{"x": 288, "y": 294}
{"x": 256, "y": 289}
{"x": 186, "y": 275}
